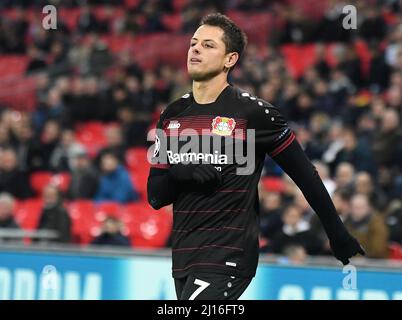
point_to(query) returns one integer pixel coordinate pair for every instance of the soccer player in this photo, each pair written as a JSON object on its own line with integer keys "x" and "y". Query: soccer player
{"x": 215, "y": 207}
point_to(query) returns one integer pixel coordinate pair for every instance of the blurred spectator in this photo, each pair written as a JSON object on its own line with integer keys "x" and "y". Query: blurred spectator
{"x": 388, "y": 139}
{"x": 12, "y": 179}
{"x": 330, "y": 28}
{"x": 37, "y": 60}
{"x": 344, "y": 176}
{"x": 350, "y": 64}
{"x": 7, "y": 211}
{"x": 297, "y": 28}
{"x": 365, "y": 185}
{"x": 5, "y": 138}
{"x": 114, "y": 144}
{"x": 49, "y": 140}
{"x": 373, "y": 27}
{"x": 62, "y": 156}
{"x": 379, "y": 71}
{"x": 295, "y": 231}
{"x": 99, "y": 57}
{"x": 270, "y": 215}
{"x": 28, "y": 148}
{"x": 115, "y": 183}
{"x": 394, "y": 223}
{"x": 152, "y": 17}
{"x": 87, "y": 21}
{"x": 368, "y": 227}
{"x": 134, "y": 127}
{"x": 294, "y": 255}
{"x": 355, "y": 152}
{"x": 112, "y": 234}
{"x": 52, "y": 109}
{"x": 54, "y": 216}
{"x": 84, "y": 178}
{"x": 303, "y": 110}
{"x": 7, "y": 220}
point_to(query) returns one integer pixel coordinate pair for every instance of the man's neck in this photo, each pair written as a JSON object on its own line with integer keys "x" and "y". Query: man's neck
{"x": 208, "y": 91}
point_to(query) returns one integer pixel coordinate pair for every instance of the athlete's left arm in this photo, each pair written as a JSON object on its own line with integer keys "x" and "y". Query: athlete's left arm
{"x": 278, "y": 140}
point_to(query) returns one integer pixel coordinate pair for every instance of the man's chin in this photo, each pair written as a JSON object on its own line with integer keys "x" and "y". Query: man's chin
{"x": 202, "y": 76}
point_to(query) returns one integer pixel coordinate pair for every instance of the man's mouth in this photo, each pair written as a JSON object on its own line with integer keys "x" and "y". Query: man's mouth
{"x": 195, "y": 60}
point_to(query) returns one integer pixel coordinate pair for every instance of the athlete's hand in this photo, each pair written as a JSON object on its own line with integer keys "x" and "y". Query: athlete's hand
{"x": 198, "y": 173}
{"x": 346, "y": 249}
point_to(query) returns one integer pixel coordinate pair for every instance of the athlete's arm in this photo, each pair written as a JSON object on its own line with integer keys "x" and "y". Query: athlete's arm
{"x": 274, "y": 137}
{"x": 295, "y": 163}
{"x": 161, "y": 190}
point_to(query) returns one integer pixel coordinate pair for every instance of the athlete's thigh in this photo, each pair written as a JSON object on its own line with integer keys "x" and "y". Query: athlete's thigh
{"x": 213, "y": 286}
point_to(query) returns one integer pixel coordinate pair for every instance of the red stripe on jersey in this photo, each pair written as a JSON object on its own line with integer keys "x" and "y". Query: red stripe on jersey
{"x": 160, "y": 166}
{"x": 283, "y": 146}
{"x": 209, "y": 229}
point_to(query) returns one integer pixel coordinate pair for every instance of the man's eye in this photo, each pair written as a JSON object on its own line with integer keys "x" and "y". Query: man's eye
{"x": 192, "y": 44}
{"x": 209, "y": 46}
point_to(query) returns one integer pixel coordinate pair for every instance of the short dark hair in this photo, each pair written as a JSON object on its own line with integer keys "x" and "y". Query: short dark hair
{"x": 234, "y": 38}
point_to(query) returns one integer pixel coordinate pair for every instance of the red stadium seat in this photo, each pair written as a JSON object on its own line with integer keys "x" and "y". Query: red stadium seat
{"x": 148, "y": 228}
{"x": 179, "y": 5}
{"x": 136, "y": 159}
{"x": 12, "y": 65}
{"x": 138, "y": 166}
{"x": 131, "y": 4}
{"x": 172, "y": 21}
{"x": 313, "y": 9}
{"x": 395, "y": 251}
{"x": 27, "y": 213}
{"x": 39, "y": 180}
{"x": 61, "y": 180}
{"x": 104, "y": 209}
{"x": 81, "y": 209}
{"x": 81, "y": 213}
{"x": 273, "y": 184}
{"x": 92, "y": 136}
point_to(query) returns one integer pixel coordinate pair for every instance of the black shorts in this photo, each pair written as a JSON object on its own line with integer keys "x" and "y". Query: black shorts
{"x": 210, "y": 286}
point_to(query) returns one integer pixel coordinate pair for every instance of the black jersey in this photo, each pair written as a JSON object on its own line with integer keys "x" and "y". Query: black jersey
{"x": 217, "y": 230}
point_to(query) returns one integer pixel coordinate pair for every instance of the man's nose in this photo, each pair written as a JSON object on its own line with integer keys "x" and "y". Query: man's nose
{"x": 196, "y": 49}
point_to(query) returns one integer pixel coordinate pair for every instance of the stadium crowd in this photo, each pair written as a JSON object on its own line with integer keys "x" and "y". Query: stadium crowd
{"x": 345, "y": 108}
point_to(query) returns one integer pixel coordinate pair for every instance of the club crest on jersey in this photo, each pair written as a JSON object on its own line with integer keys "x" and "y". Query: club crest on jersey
{"x": 223, "y": 126}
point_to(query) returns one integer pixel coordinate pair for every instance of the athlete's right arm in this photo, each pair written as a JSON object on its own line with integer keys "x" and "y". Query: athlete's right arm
{"x": 162, "y": 190}
{"x": 164, "y": 179}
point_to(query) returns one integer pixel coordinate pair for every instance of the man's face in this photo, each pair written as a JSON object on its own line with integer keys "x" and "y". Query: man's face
{"x": 5, "y": 211}
{"x": 50, "y": 196}
{"x": 292, "y": 216}
{"x": 360, "y": 207}
{"x": 109, "y": 163}
{"x": 9, "y": 160}
{"x": 207, "y": 53}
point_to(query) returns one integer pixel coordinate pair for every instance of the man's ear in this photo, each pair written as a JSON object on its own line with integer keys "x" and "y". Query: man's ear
{"x": 231, "y": 59}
